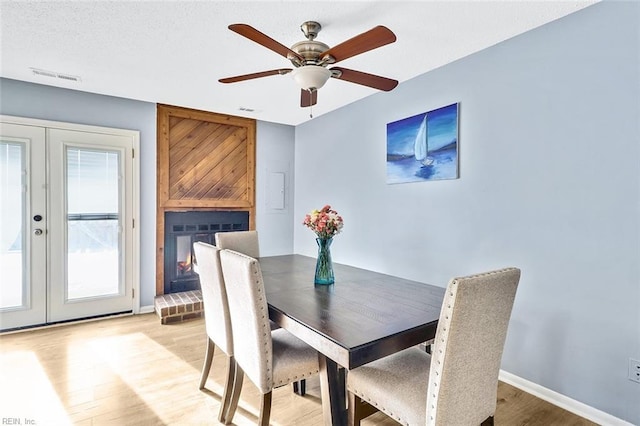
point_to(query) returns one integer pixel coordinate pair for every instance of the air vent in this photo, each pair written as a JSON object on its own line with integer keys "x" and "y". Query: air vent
{"x": 44, "y": 73}
{"x": 53, "y": 74}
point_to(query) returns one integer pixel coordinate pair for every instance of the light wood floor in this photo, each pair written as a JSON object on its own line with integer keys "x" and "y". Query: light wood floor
{"x": 134, "y": 371}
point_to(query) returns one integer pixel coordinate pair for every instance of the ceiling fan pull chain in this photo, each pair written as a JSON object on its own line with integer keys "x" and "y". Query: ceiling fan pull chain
{"x": 311, "y": 104}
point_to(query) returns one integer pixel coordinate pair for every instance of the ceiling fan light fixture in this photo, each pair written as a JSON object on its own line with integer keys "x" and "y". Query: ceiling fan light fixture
{"x": 311, "y": 77}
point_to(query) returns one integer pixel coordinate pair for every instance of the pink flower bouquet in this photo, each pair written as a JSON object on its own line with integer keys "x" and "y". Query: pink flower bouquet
{"x": 324, "y": 222}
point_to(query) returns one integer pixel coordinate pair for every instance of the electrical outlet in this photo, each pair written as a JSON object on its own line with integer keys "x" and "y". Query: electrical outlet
{"x": 634, "y": 370}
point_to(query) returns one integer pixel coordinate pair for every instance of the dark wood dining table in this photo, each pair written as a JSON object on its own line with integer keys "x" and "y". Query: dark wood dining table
{"x": 362, "y": 317}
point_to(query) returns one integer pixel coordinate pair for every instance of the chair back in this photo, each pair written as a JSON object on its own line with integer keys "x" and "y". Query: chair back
{"x": 249, "y": 317}
{"x": 214, "y": 296}
{"x": 245, "y": 242}
{"x": 467, "y": 352}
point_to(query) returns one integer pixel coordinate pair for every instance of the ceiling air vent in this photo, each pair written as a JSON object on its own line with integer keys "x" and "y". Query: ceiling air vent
{"x": 53, "y": 74}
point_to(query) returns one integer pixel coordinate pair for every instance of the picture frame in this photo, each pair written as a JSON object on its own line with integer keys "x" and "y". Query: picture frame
{"x": 424, "y": 147}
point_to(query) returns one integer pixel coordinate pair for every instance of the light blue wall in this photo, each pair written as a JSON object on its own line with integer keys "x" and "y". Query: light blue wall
{"x": 549, "y": 182}
{"x": 274, "y": 152}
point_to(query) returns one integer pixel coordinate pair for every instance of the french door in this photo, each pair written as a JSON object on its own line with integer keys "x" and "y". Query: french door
{"x": 66, "y": 223}
{"x": 23, "y": 247}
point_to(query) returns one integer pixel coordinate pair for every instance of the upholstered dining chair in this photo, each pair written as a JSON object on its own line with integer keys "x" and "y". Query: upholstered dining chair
{"x": 216, "y": 316}
{"x": 456, "y": 384}
{"x": 246, "y": 242}
{"x": 269, "y": 358}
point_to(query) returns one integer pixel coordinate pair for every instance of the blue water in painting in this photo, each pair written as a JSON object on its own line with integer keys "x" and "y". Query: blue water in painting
{"x": 445, "y": 166}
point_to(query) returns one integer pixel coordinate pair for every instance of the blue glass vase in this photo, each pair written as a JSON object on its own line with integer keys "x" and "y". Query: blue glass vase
{"x": 324, "y": 267}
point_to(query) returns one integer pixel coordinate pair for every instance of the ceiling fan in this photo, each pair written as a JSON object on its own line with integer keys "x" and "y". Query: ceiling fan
{"x": 310, "y": 59}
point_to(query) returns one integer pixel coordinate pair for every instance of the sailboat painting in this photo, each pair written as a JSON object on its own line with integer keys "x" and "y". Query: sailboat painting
{"x": 423, "y": 147}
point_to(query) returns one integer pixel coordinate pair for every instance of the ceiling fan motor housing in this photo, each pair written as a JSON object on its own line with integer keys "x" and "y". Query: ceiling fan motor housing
{"x": 311, "y": 51}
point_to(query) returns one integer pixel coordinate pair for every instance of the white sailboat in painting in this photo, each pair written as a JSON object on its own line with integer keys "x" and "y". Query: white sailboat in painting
{"x": 421, "y": 144}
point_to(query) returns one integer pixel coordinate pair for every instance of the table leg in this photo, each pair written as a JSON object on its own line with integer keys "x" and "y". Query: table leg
{"x": 332, "y": 387}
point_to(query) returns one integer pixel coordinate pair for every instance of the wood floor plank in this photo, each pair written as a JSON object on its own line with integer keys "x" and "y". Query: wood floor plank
{"x": 134, "y": 371}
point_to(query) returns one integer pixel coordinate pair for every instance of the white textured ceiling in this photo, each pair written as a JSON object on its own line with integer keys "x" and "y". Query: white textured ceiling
{"x": 174, "y": 52}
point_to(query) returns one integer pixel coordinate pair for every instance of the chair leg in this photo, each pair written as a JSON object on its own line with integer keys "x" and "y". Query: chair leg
{"x": 235, "y": 394}
{"x": 227, "y": 394}
{"x": 352, "y": 415}
{"x": 265, "y": 409}
{"x": 207, "y": 363}
{"x": 358, "y": 409}
{"x": 487, "y": 422}
{"x": 300, "y": 387}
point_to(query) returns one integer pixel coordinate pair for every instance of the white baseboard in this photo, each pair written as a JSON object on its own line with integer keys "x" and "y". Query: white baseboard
{"x": 562, "y": 401}
{"x": 146, "y": 309}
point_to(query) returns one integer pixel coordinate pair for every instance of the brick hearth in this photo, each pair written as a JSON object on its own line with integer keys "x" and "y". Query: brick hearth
{"x": 177, "y": 307}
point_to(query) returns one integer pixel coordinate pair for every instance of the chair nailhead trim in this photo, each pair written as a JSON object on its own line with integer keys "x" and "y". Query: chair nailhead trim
{"x": 380, "y": 407}
{"x": 296, "y": 378}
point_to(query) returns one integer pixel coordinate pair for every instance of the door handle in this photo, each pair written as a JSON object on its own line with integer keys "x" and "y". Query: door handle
{"x": 37, "y": 231}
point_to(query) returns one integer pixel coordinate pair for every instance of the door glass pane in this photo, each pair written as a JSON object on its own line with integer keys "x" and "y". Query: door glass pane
{"x": 12, "y": 224}
{"x": 93, "y": 215}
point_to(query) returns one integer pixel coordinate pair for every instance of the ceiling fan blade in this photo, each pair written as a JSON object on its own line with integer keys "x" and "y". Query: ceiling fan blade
{"x": 365, "y": 79}
{"x": 281, "y": 71}
{"x": 308, "y": 98}
{"x": 264, "y": 40}
{"x": 369, "y": 40}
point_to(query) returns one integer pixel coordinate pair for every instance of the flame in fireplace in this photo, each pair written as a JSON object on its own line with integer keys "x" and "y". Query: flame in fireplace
{"x": 185, "y": 266}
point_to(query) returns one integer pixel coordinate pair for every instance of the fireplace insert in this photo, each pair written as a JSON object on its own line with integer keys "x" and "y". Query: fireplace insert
{"x": 182, "y": 229}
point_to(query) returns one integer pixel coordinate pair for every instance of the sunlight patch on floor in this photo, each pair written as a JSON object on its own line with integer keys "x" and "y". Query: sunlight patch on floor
{"x": 26, "y": 392}
{"x": 127, "y": 356}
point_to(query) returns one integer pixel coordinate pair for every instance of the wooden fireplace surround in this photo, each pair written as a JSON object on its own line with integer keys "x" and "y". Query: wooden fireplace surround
{"x": 206, "y": 161}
